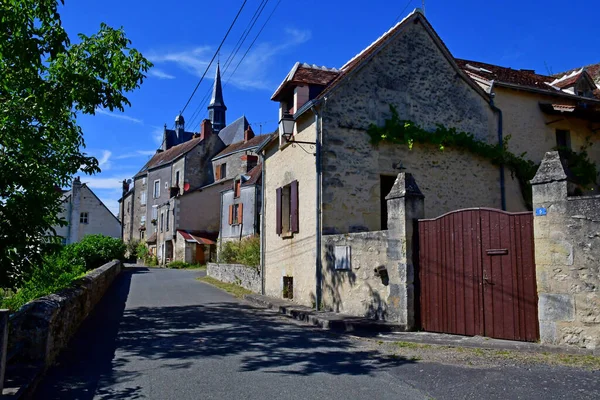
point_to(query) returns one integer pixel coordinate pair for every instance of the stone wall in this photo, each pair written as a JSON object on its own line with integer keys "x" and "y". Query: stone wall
{"x": 242, "y": 275}
{"x": 567, "y": 255}
{"x": 412, "y": 73}
{"x": 45, "y": 326}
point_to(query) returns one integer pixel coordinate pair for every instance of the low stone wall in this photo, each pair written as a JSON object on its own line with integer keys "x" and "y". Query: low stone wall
{"x": 357, "y": 290}
{"x": 567, "y": 255}
{"x": 44, "y": 326}
{"x": 242, "y": 275}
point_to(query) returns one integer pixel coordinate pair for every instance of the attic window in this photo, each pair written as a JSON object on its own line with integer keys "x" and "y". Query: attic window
{"x": 237, "y": 188}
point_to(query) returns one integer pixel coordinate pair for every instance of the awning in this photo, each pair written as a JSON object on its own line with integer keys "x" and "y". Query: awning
{"x": 585, "y": 111}
{"x": 151, "y": 238}
{"x": 191, "y": 237}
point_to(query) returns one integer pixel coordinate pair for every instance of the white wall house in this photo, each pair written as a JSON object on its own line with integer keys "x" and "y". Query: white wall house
{"x": 85, "y": 215}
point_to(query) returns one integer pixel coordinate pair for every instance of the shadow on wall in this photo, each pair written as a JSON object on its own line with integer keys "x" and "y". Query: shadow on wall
{"x": 343, "y": 281}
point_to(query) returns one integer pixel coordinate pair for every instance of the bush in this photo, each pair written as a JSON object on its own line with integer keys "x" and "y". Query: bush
{"x": 131, "y": 250}
{"x": 142, "y": 251}
{"x": 180, "y": 265}
{"x": 246, "y": 252}
{"x": 96, "y": 250}
{"x": 151, "y": 260}
{"x": 59, "y": 269}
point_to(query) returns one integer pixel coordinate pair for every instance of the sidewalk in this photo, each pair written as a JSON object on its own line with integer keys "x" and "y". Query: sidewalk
{"x": 389, "y": 332}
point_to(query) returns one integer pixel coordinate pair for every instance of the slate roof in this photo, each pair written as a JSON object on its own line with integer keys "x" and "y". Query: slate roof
{"x": 255, "y": 175}
{"x": 256, "y": 141}
{"x": 234, "y": 132}
{"x": 165, "y": 157}
{"x": 173, "y": 140}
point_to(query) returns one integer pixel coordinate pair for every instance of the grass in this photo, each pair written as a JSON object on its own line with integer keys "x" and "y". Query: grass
{"x": 430, "y": 351}
{"x": 231, "y": 288}
{"x": 184, "y": 265}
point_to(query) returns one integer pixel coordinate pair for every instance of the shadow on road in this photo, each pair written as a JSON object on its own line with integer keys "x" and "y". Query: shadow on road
{"x": 179, "y": 336}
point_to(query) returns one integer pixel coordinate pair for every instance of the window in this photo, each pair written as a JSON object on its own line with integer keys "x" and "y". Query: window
{"x": 237, "y": 188}
{"x": 143, "y": 180}
{"x": 236, "y": 214}
{"x": 83, "y": 218}
{"x": 342, "y": 257}
{"x": 154, "y": 212}
{"x": 221, "y": 171}
{"x": 287, "y": 209}
{"x": 143, "y": 198}
{"x": 162, "y": 220}
{"x": 176, "y": 178}
{"x": 143, "y": 220}
{"x": 63, "y": 241}
{"x": 563, "y": 138}
{"x": 156, "y": 189}
{"x": 167, "y": 221}
{"x": 142, "y": 233}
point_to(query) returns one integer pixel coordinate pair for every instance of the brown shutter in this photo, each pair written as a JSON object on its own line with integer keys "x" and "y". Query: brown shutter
{"x": 278, "y": 213}
{"x": 294, "y": 206}
{"x": 240, "y": 213}
{"x": 218, "y": 172}
{"x": 230, "y": 214}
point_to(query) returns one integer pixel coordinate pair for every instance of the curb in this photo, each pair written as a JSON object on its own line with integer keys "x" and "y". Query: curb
{"x": 325, "y": 320}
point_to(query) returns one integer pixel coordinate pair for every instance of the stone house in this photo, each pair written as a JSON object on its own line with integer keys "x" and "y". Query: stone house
{"x": 85, "y": 214}
{"x": 540, "y": 112}
{"x": 325, "y": 227}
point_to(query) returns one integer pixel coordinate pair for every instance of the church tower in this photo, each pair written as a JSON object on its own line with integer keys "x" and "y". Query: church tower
{"x": 217, "y": 108}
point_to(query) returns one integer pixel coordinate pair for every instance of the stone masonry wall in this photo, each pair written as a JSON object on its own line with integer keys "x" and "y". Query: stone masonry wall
{"x": 414, "y": 75}
{"x": 567, "y": 255}
{"x": 242, "y": 275}
{"x": 45, "y": 326}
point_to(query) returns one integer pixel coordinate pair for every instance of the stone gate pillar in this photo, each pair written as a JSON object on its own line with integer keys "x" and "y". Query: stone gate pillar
{"x": 405, "y": 205}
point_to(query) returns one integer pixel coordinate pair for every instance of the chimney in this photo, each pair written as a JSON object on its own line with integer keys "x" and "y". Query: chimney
{"x": 205, "y": 129}
{"x": 164, "y": 145}
{"x": 248, "y": 134}
{"x": 125, "y": 186}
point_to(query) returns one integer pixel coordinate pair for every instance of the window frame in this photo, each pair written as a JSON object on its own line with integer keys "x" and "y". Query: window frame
{"x": 143, "y": 198}
{"x": 162, "y": 221}
{"x": 287, "y": 210}
{"x": 84, "y": 217}
{"x": 155, "y": 193}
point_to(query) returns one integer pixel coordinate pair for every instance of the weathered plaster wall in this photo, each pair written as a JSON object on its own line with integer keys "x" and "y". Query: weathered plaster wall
{"x": 198, "y": 163}
{"x": 164, "y": 175}
{"x": 357, "y": 291}
{"x": 242, "y": 275}
{"x": 248, "y": 197}
{"x": 412, "y": 74}
{"x": 567, "y": 254}
{"x": 294, "y": 256}
{"x": 100, "y": 219}
{"x": 534, "y": 132}
{"x": 126, "y": 209}
{"x": 199, "y": 210}
{"x": 233, "y": 167}
{"x": 140, "y": 185}
{"x": 45, "y": 326}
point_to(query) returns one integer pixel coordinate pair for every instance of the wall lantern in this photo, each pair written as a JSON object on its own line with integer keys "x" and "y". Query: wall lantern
{"x": 286, "y": 129}
{"x": 286, "y": 126}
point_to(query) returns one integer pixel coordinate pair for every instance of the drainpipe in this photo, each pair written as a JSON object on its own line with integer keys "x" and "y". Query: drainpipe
{"x": 262, "y": 225}
{"x": 318, "y": 233}
{"x": 500, "y": 143}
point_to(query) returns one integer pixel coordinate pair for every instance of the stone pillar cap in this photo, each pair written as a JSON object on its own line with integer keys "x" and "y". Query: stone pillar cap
{"x": 405, "y": 185}
{"x": 551, "y": 170}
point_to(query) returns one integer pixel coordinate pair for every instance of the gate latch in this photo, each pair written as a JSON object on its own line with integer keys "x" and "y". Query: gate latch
{"x": 497, "y": 252}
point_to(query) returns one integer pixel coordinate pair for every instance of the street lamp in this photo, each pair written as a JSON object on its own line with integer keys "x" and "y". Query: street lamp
{"x": 286, "y": 126}
{"x": 286, "y": 129}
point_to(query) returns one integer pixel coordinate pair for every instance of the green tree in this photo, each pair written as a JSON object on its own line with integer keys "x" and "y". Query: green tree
{"x": 45, "y": 83}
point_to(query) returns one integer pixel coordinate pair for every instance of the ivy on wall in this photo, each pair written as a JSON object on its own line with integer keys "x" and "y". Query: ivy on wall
{"x": 405, "y": 132}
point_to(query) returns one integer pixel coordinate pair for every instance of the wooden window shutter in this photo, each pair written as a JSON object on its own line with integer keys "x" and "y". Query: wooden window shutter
{"x": 278, "y": 213}
{"x": 218, "y": 172}
{"x": 240, "y": 213}
{"x": 294, "y": 206}
{"x": 230, "y": 214}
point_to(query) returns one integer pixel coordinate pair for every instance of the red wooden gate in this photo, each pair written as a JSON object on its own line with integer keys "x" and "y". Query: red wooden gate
{"x": 477, "y": 274}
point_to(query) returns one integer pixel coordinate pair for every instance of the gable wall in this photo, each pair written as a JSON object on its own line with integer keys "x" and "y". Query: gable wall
{"x": 411, "y": 73}
{"x": 101, "y": 220}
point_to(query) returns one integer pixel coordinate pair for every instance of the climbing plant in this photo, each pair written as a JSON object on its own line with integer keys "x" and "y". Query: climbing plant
{"x": 405, "y": 132}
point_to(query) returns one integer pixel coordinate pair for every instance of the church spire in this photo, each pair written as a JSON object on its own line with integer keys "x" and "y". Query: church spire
{"x": 216, "y": 107}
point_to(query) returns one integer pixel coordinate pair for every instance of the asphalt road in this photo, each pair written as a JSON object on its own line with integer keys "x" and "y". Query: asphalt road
{"x": 160, "y": 334}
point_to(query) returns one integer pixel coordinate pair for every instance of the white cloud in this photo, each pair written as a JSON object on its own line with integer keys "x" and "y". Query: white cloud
{"x": 159, "y": 73}
{"x": 157, "y": 135}
{"x": 118, "y": 116}
{"x": 104, "y": 161}
{"x": 137, "y": 153}
{"x": 253, "y": 72}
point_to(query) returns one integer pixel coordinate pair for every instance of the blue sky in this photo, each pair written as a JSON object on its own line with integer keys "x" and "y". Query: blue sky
{"x": 180, "y": 37}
